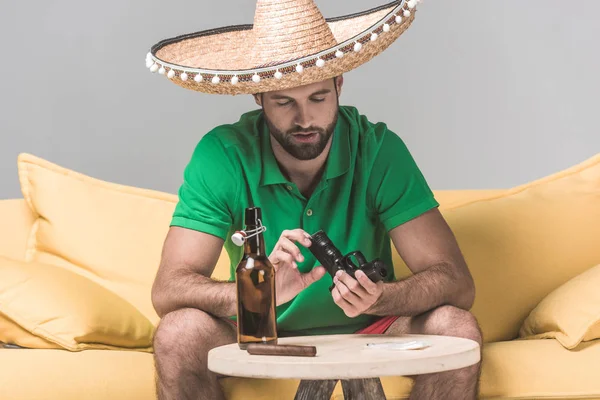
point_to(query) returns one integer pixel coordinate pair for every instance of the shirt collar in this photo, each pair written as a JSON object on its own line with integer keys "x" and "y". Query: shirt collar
{"x": 337, "y": 164}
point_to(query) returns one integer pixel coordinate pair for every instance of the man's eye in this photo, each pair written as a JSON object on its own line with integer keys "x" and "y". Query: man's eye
{"x": 290, "y": 102}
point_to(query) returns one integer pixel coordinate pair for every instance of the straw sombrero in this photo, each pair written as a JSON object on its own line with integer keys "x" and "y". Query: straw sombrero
{"x": 290, "y": 44}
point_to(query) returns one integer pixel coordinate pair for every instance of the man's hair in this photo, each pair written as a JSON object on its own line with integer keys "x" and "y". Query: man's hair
{"x": 334, "y": 86}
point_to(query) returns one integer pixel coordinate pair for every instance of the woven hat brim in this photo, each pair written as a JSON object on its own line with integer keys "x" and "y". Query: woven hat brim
{"x": 215, "y": 61}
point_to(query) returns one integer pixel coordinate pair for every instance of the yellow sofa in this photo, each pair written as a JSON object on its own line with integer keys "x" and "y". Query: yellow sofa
{"x": 521, "y": 245}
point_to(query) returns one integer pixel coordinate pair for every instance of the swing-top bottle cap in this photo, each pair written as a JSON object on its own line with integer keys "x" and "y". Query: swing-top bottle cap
{"x": 238, "y": 238}
{"x": 253, "y": 214}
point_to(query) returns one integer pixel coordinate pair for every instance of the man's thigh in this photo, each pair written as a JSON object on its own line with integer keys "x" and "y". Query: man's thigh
{"x": 230, "y": 330}
{"x": 433, "y": 322}
{"x": 443, "y": 320}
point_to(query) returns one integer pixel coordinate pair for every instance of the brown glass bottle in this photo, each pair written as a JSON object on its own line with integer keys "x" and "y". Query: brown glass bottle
{"x": 255, "y": 280}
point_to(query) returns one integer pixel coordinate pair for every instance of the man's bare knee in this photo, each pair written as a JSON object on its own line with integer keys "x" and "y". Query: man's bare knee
{"x": 181, "y": 345}
{"x": 188, "y": 328}
{"x": 453, "y": 321}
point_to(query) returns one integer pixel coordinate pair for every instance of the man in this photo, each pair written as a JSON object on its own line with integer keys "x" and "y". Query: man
{"x": 310, "y": 164}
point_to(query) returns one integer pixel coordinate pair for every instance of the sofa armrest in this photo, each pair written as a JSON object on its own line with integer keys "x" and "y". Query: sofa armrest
{"x": 16, "y": 220}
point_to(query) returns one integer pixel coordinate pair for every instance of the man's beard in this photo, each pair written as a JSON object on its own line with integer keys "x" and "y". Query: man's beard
{"x": 303, "y": 151}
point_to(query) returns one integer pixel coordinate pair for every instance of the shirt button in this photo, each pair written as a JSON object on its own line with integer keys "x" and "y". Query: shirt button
{"x": 309, "y": 212}
{"x": 289, "y": 187}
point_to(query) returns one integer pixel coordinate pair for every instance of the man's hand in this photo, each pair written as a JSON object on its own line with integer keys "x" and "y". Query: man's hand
{"x": 288, "y": 279}
{"x": 355, "y": 296}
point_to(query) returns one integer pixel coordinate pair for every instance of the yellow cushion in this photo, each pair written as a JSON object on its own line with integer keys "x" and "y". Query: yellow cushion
{"x": 570, "y": 314}
{"x": 449, "y": 199}
{"x": 16, "y": 221}
{"x": 525, "y": 242}
{"x": 66, "y": 311}
{"x": 13, "y": 333}
{"x": 109, "y": 233}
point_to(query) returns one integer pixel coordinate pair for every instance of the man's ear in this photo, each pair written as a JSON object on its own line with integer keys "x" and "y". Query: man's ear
{"x": 339, "y": 82}
{"x": 258, "y": 99}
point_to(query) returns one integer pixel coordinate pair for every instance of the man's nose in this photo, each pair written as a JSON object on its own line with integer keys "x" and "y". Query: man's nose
{"x": 303, "y": 118}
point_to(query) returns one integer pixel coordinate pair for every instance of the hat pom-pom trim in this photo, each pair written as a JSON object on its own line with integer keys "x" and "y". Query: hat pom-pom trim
{"x": 396, "y": 17}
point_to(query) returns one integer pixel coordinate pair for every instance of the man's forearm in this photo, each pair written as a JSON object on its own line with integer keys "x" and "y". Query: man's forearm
{"x": 193, "y": 290}
{"x": 441, "y": 284}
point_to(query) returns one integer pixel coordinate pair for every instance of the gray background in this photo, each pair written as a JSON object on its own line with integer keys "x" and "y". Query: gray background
{"x": 487, "y": 94}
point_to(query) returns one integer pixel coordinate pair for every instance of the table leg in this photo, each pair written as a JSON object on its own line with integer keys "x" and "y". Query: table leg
{"x": 315, "y": 390}
{"x": 363, "y": 389}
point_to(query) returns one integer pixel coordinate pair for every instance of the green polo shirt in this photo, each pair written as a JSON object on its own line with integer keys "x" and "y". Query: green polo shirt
{"x": 371, "y": 184}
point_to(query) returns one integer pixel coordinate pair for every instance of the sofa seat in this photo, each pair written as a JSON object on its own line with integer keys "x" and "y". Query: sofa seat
{"x": 541, "y": 369}
{"x": 518, "y": 369}
{"x": 28, "y": 374}
{"x": 532, "y": 369}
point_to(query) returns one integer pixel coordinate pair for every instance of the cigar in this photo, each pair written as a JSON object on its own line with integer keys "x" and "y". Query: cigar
{"x": 281, "y": 350}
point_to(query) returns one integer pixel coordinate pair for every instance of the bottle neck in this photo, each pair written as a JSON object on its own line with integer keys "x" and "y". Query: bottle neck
{"x": 254, "y": 244}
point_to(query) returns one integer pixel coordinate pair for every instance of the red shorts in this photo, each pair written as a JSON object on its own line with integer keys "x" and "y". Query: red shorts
{"x": 376, "y": 328}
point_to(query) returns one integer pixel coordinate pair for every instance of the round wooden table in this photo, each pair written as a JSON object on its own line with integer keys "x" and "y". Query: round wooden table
{"x": 349, "y": 359}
